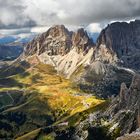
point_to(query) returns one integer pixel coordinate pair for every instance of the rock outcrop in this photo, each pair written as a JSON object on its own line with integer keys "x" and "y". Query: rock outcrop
{"x": 81, "y": 41}
{"x": 125, "y": 110}
{"x": 120, "y": 43}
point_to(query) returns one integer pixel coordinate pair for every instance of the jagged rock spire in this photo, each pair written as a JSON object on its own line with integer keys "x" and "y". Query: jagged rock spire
{"x": 123, "y": 93}
{"x": 58, "y": 40}
{"x": 81, "y": 41}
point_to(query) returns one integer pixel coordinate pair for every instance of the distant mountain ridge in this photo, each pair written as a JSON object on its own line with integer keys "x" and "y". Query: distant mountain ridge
{"x": 10, "y": 52}
{"x": 7, "y": 39}
{"x": 11, "y": 46}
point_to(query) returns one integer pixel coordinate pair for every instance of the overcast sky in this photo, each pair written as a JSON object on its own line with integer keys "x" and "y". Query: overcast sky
{"x": 74, "y": 13}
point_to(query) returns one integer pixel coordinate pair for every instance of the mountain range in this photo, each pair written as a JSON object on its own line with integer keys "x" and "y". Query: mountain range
{"x": 11, "y": 46}
{"x": 66, "y": 86}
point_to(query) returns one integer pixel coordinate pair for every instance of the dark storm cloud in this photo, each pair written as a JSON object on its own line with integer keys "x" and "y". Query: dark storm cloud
{"x": 106, "y": 10}
{"x": 12, "y": 14}
{"x": 21, "y": 13}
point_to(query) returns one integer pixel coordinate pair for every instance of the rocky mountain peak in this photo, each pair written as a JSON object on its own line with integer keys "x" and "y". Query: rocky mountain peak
{"x": 120, "y": 40}
{"x": 81, "y": 41}
{"x": 58, "y": 30}
{"x": 57, "y": 40}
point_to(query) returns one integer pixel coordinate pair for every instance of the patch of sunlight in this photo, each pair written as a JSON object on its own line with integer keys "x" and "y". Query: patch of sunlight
{"x": 9, "y": 88}
{"x": 55, "y": 92}
{"x": 42, "y": 89}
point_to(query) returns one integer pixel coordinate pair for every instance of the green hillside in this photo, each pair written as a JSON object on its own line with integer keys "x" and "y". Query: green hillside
{"x": 38, "y": 97}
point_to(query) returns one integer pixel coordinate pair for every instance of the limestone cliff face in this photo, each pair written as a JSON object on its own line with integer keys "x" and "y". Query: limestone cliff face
{"x": 120, "y": 42}
{"x": 57, "y": 40}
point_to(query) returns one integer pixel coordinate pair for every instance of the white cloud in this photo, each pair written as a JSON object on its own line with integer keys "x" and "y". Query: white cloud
{"x": 128, "y": 21}
{"x": 61, "y": 14}
{"x": 14, "y": 31}
{"x": 33, "y": 30}
{"x": 94, "y": 27}
{"x": 39, "y": 29}
{"x": 23, "y": 35}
